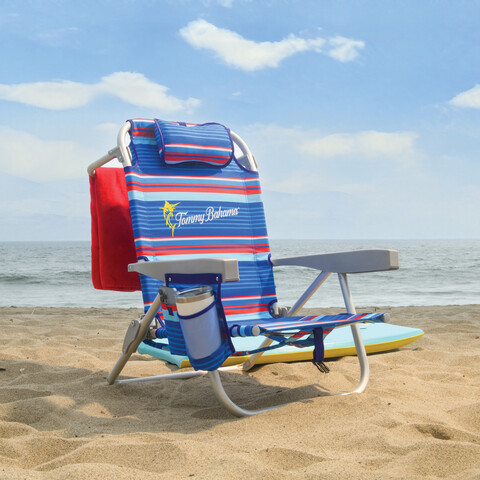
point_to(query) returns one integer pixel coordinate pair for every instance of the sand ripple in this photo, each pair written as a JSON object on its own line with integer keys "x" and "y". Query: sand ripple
{"x": 418, "y": 419}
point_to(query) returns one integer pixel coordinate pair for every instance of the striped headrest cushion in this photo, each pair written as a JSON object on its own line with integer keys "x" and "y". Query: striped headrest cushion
{"x": 207, "y": 144}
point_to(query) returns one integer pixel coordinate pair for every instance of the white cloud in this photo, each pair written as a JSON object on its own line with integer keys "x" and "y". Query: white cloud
{"x": 248, "y": 55}
{"x": 467, "y": 99}
{"x": 109, "y": 127}
{"x": 370, "y": 144}
{"x": 130, "y": 87}
{"x": 27, "y": 156}
{"x": 57, "y": 37}
{"x": 135, "y": 88}
{"x": 221, "y": 3}
{"x": 59, "y": 95}
{"x": 344, "y": 49}
{"x": 301, "y": 181}
{"x": 287, "y": 142}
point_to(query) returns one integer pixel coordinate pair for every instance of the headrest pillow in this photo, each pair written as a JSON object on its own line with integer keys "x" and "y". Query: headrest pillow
{"x": 208, "y": 144}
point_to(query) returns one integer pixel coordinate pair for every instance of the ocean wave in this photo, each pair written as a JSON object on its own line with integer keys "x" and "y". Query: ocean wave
{"x": 431, "y": 273}
{"x": 19, "y": 278}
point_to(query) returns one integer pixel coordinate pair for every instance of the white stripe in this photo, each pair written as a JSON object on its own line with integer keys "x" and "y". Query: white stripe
{"x": 146, "y": 120}
{"x": 174, "y": 177}
{"x": 204, "y": 147}
{"x": 194, "y": 197}
{"x": 247, "y": 257}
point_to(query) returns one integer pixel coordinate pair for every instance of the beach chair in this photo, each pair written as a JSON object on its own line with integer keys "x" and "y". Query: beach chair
{"x": 199, "y": 236}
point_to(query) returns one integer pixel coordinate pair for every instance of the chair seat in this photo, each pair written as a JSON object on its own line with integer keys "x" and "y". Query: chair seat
{"x": 303, "y": 323}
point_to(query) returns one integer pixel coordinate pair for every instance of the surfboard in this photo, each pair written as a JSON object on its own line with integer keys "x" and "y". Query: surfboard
{"x": 378, "y": 337}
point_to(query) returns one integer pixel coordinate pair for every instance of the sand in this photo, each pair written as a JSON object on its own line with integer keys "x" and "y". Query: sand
{"x": 419, "y": 417}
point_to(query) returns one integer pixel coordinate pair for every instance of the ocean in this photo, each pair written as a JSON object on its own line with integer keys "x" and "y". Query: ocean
{"x": 432, "y": 272}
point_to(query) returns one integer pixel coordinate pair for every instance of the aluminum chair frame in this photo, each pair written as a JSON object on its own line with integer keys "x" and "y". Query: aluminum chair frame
{"x": 342, "y": 263}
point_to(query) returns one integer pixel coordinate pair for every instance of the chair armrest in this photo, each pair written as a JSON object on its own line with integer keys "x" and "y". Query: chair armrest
{"x": 227, "y": 267}
{"x": 358, "y": 261}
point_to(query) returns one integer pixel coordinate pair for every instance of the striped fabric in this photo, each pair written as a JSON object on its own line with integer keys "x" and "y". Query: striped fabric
{"x": 208, "y": 144}
{"x": 187, "y": 212}
{"x": 172, "y": 330}
{"x": 182, "y": 211}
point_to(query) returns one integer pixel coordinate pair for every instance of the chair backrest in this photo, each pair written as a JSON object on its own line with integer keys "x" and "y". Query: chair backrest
{"x": 190, "y": 197}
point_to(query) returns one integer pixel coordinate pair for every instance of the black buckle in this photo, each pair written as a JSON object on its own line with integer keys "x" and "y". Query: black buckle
{"x": 321, "y": 366}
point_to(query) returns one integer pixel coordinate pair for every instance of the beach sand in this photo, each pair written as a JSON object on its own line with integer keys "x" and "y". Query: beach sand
{"x": 418, "y": 419}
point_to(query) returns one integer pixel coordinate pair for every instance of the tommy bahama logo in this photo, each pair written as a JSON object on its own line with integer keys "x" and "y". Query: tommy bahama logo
{"x": 183, "y": 218}
{"x": 168, "y": 210}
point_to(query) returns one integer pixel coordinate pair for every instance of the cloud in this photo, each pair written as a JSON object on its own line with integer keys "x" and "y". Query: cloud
{"x": 51, "y": 95}
{"x": 344, "y": 49}
{"x": 133, "y": 88}
{"x": 467, "y": 99}
{"x": 370, "y": 144}
{"x": 33, "y": 158}
{"x": 276, "y": 139}
{"x": 303, "y": 181}
{"x": 57, "y": 37}
{"x": 241, "y": 53}
{"x": 248, "y": 55}
{"x": 108, "y": 128}
{"x": 222, "y": 3}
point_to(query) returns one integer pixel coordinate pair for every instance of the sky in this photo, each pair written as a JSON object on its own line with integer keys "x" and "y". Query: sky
{"x": 364, "y": 117}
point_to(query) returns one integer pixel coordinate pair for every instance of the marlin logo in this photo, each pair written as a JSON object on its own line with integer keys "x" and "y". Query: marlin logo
{"x": 168, "y": 210}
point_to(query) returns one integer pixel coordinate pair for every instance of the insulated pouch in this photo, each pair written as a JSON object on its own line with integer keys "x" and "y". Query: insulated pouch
{"x": 205, "y": 332}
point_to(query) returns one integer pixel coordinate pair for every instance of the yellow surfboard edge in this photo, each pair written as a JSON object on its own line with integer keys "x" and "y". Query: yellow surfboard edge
{"x": 306, "y": 354}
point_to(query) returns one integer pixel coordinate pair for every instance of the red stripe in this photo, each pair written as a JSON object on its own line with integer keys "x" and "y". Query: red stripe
{"x": 200, "y": 247}
{"x": 169, "y": 247}
{"x": 159, "y": 252}
{"x": 175, "y": 161}
{"x": 182, "y": 155}
{"x": 300, "y": 334}
{"x": 247, "y": 306}
{"x": 183, "y": 185}
{"x": 249, "y": 310}
{"x": 208, "y": 236}
{"x": 147, "y": 175}
{"x": 166, "y": 307}
{"x": 246, "y": 296}
{"x": 143, "y": 132}
{"x": 195, "y": 145}
{"x": 202, "y": 190}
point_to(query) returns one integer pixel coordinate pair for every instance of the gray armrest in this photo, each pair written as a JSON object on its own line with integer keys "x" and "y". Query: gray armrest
{"x": 358, "y": 261}
{"x": 227, "y": 267}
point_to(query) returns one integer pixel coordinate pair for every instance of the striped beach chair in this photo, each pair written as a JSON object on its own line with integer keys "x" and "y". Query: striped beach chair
{"x": 203, "y": 257}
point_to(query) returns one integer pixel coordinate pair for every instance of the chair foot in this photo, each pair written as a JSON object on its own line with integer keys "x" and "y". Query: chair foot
{"x": 224, "y": 399}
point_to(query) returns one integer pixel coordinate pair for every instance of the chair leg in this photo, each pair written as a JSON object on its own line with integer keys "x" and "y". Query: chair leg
{"x": 357, "y": 337}
{"x": 132, "y": 347}
{"x": 225, "y": 400}
{"x": 362, "y": 359}
{"x": 167, "y": 376}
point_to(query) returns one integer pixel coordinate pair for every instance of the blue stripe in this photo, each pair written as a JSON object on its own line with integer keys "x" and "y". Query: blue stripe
{"x": 179, "y": 196}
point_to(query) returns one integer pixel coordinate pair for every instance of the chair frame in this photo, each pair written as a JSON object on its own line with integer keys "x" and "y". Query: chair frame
{"x": 341, "y": 263}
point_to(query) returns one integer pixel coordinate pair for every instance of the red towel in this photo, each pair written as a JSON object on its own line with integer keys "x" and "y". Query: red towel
{"x": 113, "y": 247}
